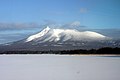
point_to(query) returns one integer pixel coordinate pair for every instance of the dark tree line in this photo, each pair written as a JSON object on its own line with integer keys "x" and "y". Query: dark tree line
{"x": 105, "y": 50}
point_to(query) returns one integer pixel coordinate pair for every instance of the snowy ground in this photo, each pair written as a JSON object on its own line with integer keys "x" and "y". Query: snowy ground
{"x": 56, "y": 67}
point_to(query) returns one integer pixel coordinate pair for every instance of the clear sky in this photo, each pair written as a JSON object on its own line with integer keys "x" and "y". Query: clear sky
{"x": 91, "y": 13}
{"x": 94, "y": 14}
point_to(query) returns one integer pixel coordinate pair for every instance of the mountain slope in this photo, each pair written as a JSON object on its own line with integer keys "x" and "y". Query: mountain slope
{"x": 56, "y": 35}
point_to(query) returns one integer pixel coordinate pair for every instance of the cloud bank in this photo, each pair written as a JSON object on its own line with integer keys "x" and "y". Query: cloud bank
{"x": 18, "y": 26}
{"x": 27, "y": 26}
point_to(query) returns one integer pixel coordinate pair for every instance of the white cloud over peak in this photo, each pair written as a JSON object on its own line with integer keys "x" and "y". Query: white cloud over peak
{"x": 75, "y": 23}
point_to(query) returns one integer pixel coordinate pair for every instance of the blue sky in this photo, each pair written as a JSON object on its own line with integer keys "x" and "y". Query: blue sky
{"x": 93, "y": 14}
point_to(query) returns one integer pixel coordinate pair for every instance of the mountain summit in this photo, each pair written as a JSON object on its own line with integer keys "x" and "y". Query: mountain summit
{"x": 62, "y": 35}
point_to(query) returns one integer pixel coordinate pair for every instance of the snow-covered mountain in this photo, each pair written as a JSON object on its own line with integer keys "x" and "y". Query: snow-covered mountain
{"x": 62, "y": 39}
{"x": 62, "y": 35}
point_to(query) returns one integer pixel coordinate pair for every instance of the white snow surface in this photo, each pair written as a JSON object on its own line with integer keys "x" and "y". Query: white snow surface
{"x": 56, "y": 67}
{"x": 42, "y": 33}
{"x": 54, "y": 35}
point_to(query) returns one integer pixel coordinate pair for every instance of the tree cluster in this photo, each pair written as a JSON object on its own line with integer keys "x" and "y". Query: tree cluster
{"x": 105, "y": 50}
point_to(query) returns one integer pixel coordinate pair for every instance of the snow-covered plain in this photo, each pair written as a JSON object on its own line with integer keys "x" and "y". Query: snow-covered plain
{"x": 59, "y": 67}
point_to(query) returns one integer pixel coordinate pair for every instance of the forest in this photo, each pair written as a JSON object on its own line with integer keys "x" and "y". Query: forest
{"x": 105, "y": 50}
